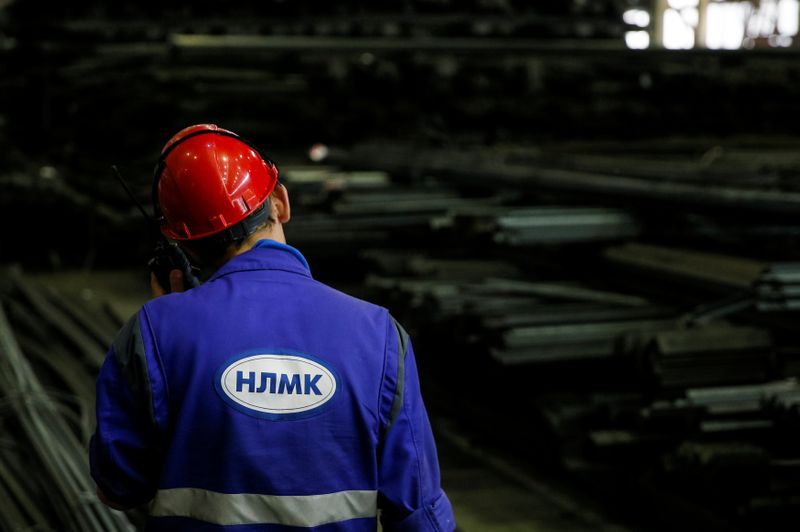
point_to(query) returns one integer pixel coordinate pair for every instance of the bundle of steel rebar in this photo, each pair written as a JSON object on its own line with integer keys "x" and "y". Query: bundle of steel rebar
{"x": 46, "y": 393}
{"x": 545, "y": 225}
{"x": 642, "y": 357}
{"x": 711, "y": 355}
{"x": 778, "y": 287}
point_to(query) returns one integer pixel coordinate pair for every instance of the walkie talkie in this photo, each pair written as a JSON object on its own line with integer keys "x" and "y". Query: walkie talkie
{"x": 167, "y": 256}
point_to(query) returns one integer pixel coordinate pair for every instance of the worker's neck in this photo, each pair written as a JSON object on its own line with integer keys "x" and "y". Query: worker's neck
{"x": 273, "y": 232}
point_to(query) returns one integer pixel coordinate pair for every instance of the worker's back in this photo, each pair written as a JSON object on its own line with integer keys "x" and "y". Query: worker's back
{"x": 272, "y": 400}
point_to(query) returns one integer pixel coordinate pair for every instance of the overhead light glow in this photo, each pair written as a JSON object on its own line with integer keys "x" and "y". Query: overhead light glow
{"x": 318, "y": 153}
{"x": 725, "y": 25}
{"x": 682, "y": 4}
{"x": 788, "y": 17}
{"x": 678, "y": 34}
{"x": 636, "y": 17}
{"x": 637, "y": 40}
{"x": 780, "y": 41}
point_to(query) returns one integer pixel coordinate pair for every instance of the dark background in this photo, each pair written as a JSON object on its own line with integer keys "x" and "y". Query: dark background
{"x": 86, "y": 85}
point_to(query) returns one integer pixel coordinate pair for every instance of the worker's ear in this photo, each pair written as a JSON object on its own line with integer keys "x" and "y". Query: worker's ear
{"x": 281, "y": 209}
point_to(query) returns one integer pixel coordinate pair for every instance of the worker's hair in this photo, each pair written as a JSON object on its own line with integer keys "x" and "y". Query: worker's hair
{"x": 210, "y": 252}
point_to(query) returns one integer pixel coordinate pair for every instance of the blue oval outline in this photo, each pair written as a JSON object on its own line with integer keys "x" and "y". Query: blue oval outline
{"x": 278, "y": 356}
{"x": 266, "y": 415}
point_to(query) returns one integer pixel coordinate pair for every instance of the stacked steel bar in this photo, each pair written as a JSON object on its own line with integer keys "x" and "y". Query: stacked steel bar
{"x": 542, "y": 225}
{"x": 504, "y": 170}
{"x": 50, "y": 350}
{"x": 566, "y": 301}
{"x": 778, "y": 288}
{"x": 710, "y": 355}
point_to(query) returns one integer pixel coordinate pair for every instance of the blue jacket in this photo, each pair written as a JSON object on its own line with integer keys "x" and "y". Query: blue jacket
{"x": 265, "y": 400}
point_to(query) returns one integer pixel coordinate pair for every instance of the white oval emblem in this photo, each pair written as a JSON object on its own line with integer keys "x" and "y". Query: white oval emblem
{"x": 277, "y": 386}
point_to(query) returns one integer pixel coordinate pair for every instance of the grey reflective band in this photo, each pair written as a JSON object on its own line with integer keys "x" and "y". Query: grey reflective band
{"x": 129, "y": 352}
{"x": 252, "y": 508}
{"x": 402, "y": 349}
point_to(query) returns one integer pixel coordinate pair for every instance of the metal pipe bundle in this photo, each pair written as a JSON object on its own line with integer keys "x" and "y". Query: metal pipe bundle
{"x": 778, "y": 287}
{"x": 44, "y": 470}
{"x": 641, "y": 359}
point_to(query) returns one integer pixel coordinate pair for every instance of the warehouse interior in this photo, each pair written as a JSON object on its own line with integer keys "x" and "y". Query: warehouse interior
{"x": 586, "y": 213}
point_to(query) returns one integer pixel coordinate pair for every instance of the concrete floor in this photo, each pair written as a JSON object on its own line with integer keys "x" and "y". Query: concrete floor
{"x": 491, "y": 493}
{"x": 488, "y": 492}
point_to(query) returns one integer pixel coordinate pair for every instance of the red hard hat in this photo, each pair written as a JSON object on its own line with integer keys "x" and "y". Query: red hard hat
{"x": 207, "y": 181}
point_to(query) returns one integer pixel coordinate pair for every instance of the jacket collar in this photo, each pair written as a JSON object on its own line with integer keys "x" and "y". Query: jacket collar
{"x": 266, "y": 255}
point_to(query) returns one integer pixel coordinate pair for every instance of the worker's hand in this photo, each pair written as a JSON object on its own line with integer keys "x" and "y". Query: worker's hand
{"x": 175, "y": 283}
{"x": 105, "y": 500}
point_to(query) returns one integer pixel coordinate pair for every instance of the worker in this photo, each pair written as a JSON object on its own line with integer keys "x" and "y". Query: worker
{"x": 261, "y": 399}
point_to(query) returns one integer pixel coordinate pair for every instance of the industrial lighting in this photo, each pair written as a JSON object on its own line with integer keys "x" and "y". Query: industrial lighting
{"x": 732, "y": 25}
{"x": 727, "y": 24}
{"x": 637, "y": 40}
{"x": 788, "y": 17}
{"x": 318, "y": 153}
{"x": 678, "y": 28}
{"x": 725, "y": 27}
{"x": 779, "y": 41}
{"x": 636, "y": 17}
{"x": 682, "y": 4}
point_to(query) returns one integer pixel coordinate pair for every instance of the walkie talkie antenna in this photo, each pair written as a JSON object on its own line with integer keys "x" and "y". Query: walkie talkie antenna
{"x": 130, "y": 193}
{"x": 167, "y": 256}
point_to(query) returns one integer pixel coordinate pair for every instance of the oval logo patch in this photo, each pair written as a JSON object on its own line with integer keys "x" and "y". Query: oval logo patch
{"x": 277, "y": 386}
